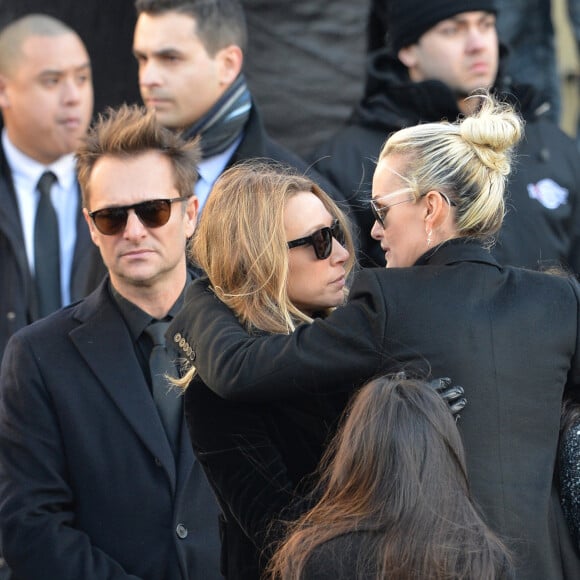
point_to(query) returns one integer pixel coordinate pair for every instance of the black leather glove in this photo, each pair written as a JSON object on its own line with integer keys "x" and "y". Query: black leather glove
{"x": 453, "y": 395}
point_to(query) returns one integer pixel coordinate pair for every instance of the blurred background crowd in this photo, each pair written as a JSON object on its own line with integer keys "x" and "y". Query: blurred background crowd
{"x": 314, "y": 92}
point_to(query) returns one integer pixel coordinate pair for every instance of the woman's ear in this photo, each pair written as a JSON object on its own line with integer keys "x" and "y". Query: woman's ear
{"x": 436, "y": 208}
{"x": 434, "y": 216}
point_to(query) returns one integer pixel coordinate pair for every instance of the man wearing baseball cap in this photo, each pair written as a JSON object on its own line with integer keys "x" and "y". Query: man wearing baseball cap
{"x": 437, "y": 53}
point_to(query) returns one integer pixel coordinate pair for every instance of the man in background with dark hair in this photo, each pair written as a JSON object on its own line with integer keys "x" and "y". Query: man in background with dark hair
{"x": 190, "y": 57}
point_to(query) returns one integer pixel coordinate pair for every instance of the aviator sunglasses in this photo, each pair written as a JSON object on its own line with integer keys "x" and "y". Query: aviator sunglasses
{"x": 153, "y": 214}
{"x": 321, "y": 240}
{"x": 380, "y": 211}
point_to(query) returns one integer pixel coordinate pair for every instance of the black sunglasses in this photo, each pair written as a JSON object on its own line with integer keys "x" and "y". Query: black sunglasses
{"x": 153, "y": 214}
{"x": 321, "y": 240}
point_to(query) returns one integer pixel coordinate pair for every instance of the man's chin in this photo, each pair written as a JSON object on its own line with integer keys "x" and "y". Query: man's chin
{"x": 466, "y": 93}
{"x": 473, "y": 89}
{"x": 165, "y": 116}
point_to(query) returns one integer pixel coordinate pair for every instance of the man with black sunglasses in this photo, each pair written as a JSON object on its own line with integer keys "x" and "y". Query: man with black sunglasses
{"x": 97, "y": 476}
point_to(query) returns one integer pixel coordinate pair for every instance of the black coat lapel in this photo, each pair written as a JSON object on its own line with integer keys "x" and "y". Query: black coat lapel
{"x": 104, "y": 342}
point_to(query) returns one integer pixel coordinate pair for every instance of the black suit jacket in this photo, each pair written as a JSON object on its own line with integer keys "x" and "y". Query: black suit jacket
{"x": 511, "y": 337}
{"x": 17, "y": 307}
{"x": 259, "y": 459}
{"x": 89, "y": 487}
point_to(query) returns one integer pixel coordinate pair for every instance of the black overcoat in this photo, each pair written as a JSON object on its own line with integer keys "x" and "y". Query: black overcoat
{"x": 510, "y": 336}
{"x": 89, "y": 487}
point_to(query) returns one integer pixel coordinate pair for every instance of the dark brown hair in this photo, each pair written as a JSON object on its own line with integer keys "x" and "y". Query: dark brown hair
{"x": 396, "y": 471}
{"x": 219, "y": 23}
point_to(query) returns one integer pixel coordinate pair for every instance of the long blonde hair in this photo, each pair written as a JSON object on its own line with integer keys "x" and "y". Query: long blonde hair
{"x": 240, "y": 242}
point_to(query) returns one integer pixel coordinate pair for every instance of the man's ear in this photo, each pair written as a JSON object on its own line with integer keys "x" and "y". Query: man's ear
{"x": 407, "y": 55}
{"x": 230, "y": 59}
{"x": 92, "y": 228}
{"x": 4, "y": 100}
{"x": 191, "y": 211}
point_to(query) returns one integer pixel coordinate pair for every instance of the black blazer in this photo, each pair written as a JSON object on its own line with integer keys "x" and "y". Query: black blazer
{"x": 16, "y": 284}
{"x": 342, "y": 558}
{"x": 89, "y": 487}
{"x": 510, "y": 337}
{"x": 258, "y": 458}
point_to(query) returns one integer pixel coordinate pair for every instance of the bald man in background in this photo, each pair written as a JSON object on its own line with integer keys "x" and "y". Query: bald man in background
{"x": 46, "y": 101}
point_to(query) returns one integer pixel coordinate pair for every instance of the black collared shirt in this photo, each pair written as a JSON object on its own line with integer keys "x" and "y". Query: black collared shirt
{"x": 137, "y": 321}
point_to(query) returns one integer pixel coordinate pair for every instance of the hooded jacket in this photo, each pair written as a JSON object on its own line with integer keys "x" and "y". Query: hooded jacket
{"x": 542, "y": 224}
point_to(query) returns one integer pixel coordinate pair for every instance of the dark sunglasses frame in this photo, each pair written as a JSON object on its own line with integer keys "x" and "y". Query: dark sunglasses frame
{"x": 380, "y": 212}
{"x": 321, "y": 240}
{"x": 152, "y": 213}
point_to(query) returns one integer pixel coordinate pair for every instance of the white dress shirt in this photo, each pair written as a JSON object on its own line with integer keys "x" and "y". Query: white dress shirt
{"x": 210, "y": 169}
{"x": 64, "y": 196}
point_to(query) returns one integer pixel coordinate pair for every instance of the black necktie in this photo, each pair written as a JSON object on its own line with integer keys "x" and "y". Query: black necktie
{"x": 166, "y": 397}
{"x": 46, "y": 249}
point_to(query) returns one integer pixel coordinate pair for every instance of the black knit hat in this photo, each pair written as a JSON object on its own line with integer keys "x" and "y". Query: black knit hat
{"x": 410, "y": 19}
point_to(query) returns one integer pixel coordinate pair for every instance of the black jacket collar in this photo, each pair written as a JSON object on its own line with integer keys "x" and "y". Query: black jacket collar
{"x": 457, "y": 250}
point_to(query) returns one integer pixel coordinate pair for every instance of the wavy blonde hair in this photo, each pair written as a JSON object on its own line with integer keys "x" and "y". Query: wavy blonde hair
{"x": 468, "y": 160}
{"x": 241, "y": 244}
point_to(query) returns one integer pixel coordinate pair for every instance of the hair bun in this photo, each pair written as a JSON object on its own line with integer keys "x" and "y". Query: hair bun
{"x": 492, "y": 131}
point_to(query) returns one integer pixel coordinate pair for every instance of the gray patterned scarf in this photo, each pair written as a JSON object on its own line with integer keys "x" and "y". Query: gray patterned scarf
{"x": 224, "y": 122}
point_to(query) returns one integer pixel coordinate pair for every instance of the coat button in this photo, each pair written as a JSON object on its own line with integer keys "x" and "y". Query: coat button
{"x": 11, "y": 315}
{"x": 158, "y": 462}
{"x": 177, "y": 337}
{"x": 181, "y": 531}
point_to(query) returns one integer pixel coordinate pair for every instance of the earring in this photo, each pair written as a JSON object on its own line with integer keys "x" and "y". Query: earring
{"x": 429, "y": 238}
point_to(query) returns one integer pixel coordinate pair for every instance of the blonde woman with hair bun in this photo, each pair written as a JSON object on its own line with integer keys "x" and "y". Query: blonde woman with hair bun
{"x": 443, "y": 306}
{"x": 456, "y": 172}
